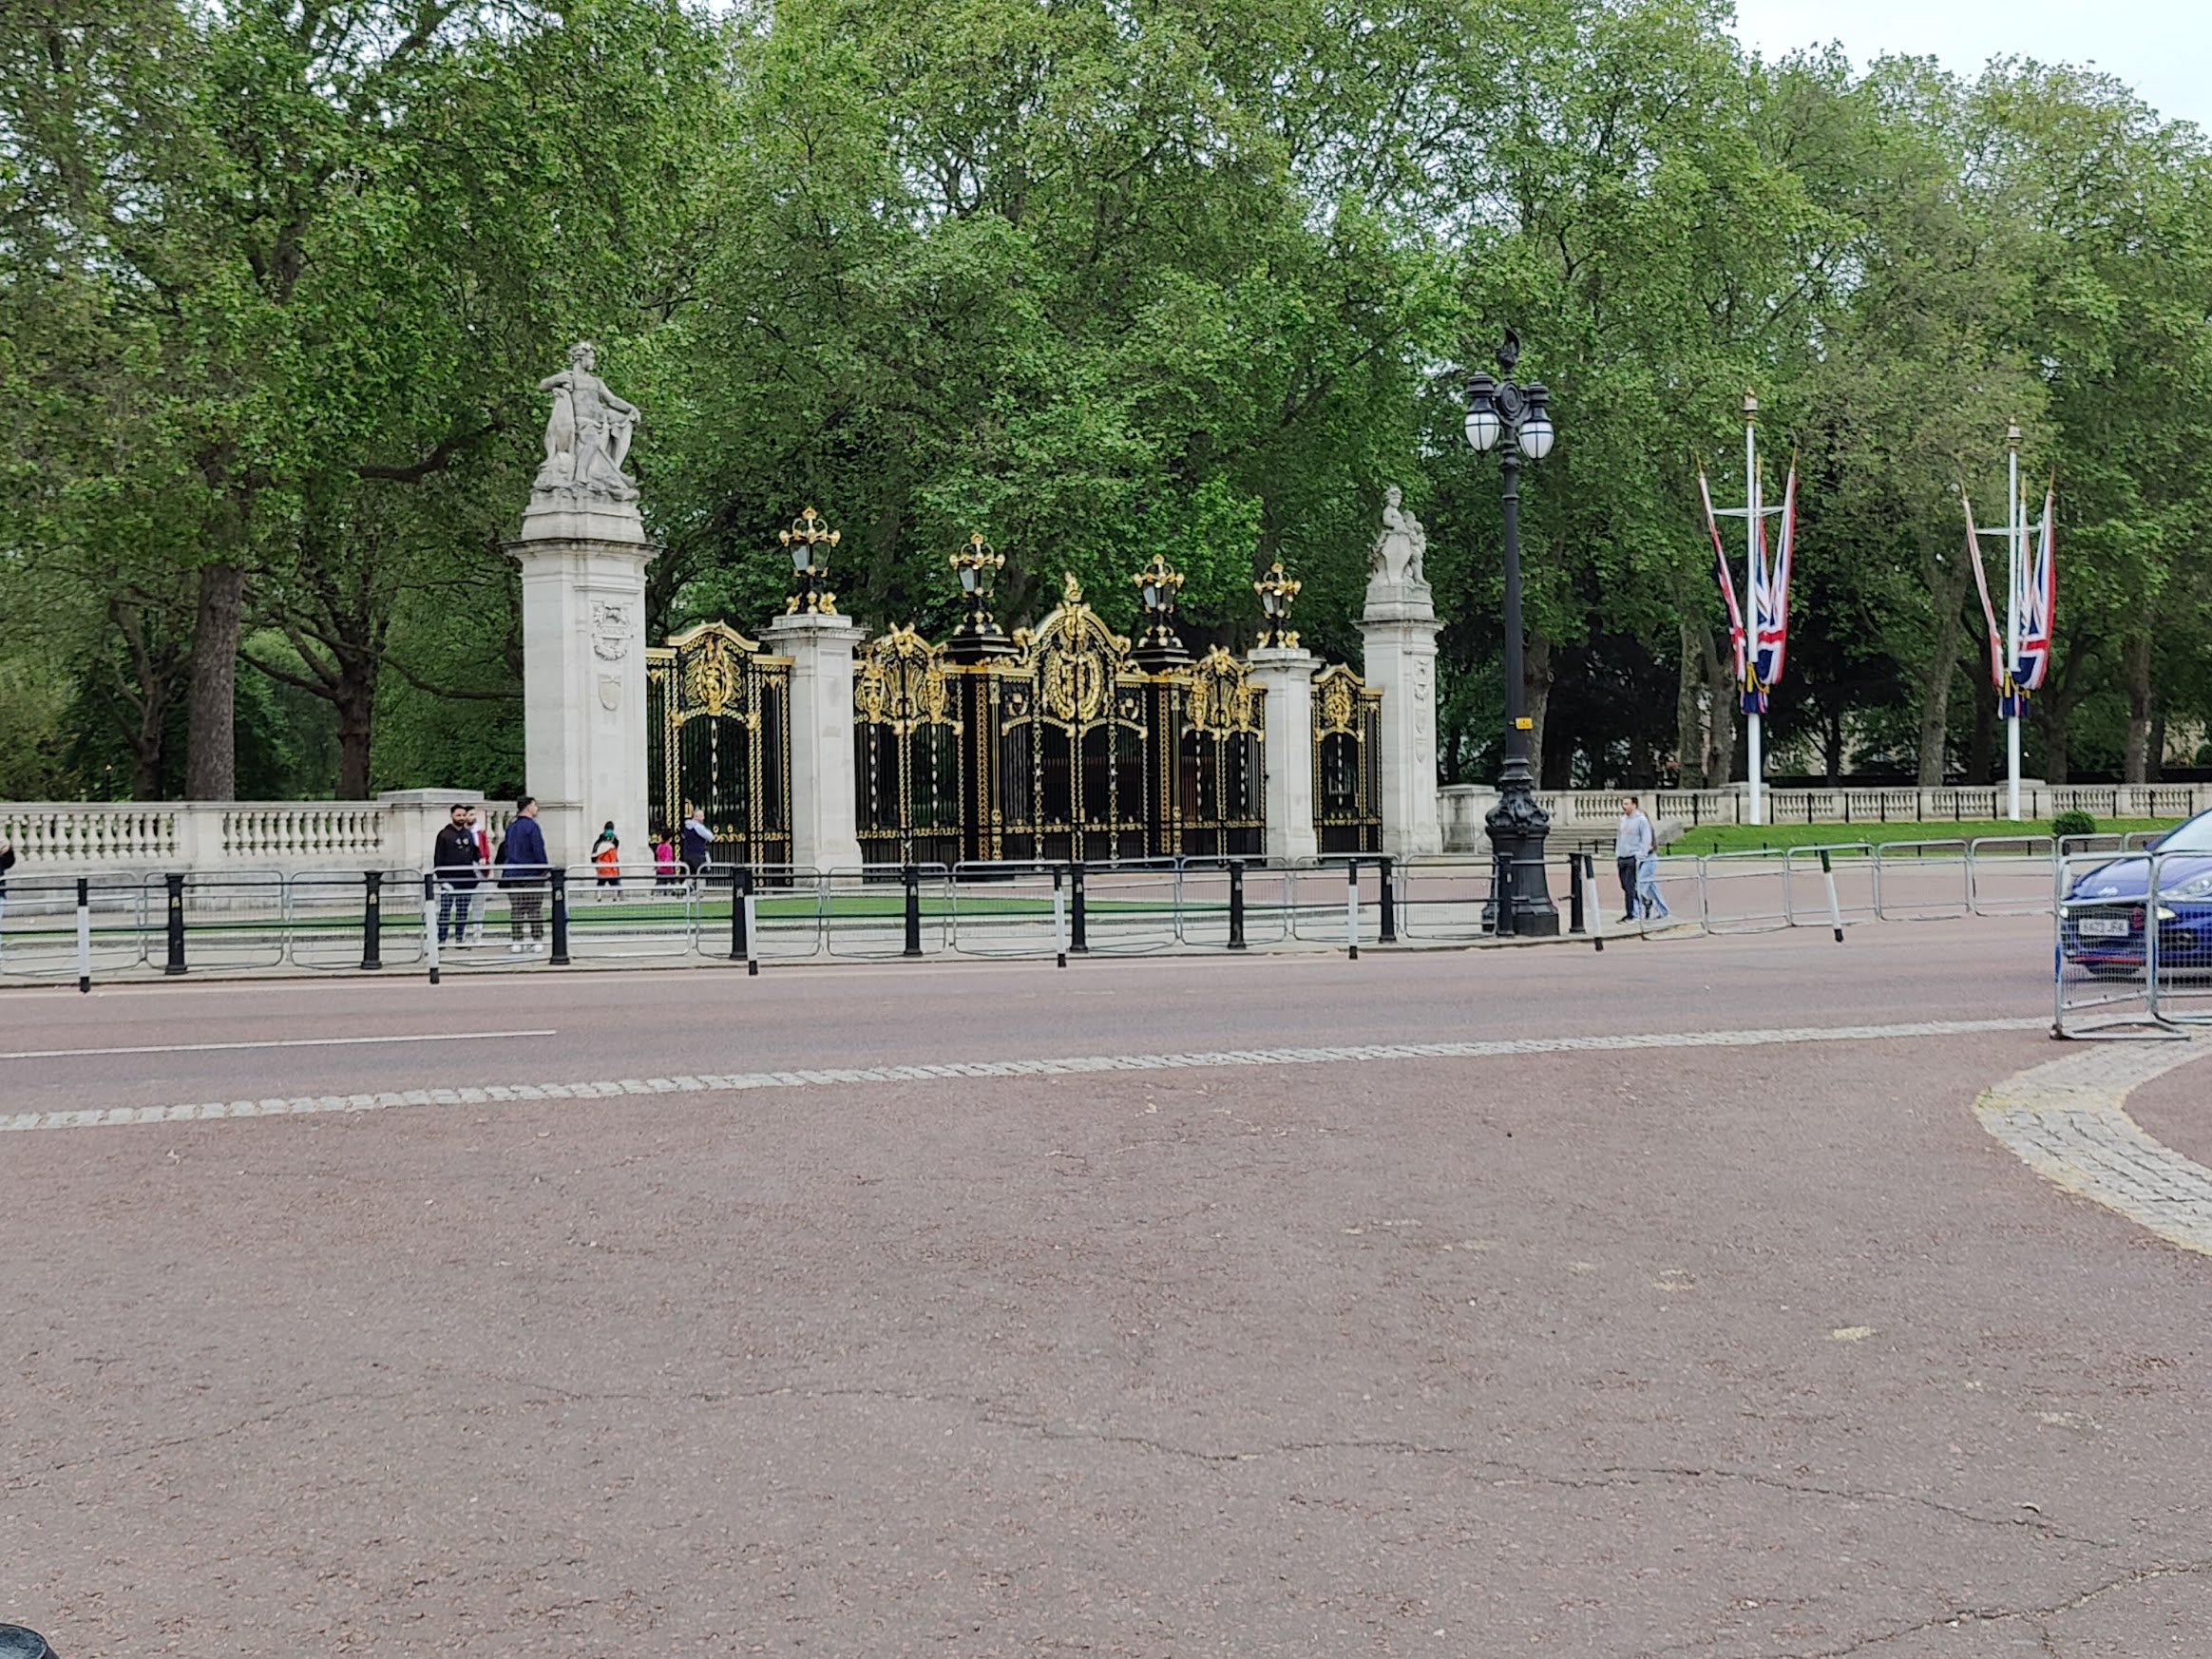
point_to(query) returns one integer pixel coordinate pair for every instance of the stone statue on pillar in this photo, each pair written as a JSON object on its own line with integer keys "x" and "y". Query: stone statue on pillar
{"x": 587, "y": 438}
{"x": 1395, "y": 559}
{"x": 583, "y": 551}
{"x": 1400, "y": 626}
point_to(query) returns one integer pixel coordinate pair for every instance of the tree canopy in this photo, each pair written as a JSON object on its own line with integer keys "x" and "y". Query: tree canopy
{"x": 1100, "y": 279}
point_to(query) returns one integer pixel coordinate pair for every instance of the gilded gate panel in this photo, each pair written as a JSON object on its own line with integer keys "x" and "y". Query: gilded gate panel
{"x": 718, "y": 736}
{"x": 1347, "y": 762}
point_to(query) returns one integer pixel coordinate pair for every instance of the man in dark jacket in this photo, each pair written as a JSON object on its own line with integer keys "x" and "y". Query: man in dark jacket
{"x": 522, "y": 871}
{"x": 453, "y": 860}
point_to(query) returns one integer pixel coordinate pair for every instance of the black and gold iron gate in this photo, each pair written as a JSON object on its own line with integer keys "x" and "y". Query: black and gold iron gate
{"x": 1063, "y": 748}
{"x": 1347, "y": 763}
{"x": 718, "y": 737}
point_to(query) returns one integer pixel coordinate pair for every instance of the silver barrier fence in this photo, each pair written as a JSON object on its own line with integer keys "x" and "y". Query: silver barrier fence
{"x": 1009, "y": 909}
{"x": 2106, "y": 967}
{"x": 39, "y": 927}
{"x": 1742, "y": 892}
{"x": 2009, "y": 876}
{"x": 1834, "y": 884}
{"x": 1922, "y": 880}
{"x": 336, "y": 920}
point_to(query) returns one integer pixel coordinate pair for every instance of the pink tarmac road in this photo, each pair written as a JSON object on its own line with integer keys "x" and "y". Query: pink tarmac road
{"x": 1744, "y": 1350}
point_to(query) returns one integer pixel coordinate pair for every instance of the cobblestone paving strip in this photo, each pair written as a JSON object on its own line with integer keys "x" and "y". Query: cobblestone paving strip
{"x": 2067, "y": 1121}
{"x": 734, "y": 1083}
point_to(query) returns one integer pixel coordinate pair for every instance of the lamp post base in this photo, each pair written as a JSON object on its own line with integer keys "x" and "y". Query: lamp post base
{"x": 1517, "y": 831}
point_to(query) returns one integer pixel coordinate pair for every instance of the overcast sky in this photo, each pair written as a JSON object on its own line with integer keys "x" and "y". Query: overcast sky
{"x": 2160, "y": 48}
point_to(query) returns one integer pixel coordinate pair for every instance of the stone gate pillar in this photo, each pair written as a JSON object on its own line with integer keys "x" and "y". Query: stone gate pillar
{"x": 1400, "y": 626}
{"x": 583, "y": 552}
{"x": 1287, "y": 676}
{"x": 825, "y": 801}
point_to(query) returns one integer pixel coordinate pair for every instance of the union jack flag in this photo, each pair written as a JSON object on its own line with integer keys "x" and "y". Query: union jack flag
{"x": 1722, "y": 574}
{"x": 1760, "y": 649}
{"x": 2038, "y": 599}
{"x": 1770, "y": 602}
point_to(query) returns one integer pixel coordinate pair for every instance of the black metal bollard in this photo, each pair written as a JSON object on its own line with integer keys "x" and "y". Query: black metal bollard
{"x": 742, "y": 898}
{"x": 912, "y": 878}
{"x": 1385, "y": 870}
{"x": 1078, "y": 940}
{"x": 739, "y": 942}
{"x": 175, "y": 886}
{"x": 1236, "y": 937}
{"x": 1501, "y": 895}
{"x": 371, "y": 920}
{"x": 560, "y": 957}
{"x": 16, "y": 1642}
{"x": 1588, "y": 863}
{"x": 1575, "y": 919}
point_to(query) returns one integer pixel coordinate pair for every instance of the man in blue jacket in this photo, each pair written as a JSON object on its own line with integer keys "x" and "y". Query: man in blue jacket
{"x": 524, "y": 869}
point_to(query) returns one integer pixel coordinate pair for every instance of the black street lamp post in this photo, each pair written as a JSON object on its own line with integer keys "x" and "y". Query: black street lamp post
{"x": 1495, "y": 410}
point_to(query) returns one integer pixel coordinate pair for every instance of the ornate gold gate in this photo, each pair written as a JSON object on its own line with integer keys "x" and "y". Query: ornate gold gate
{"x": 718, "y": 736}
{"x": 1347, "y": 762}
{"x": 1066, "y": 749}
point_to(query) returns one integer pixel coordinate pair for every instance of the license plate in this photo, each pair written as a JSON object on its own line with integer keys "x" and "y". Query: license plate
{"x": 2102, "y": 927}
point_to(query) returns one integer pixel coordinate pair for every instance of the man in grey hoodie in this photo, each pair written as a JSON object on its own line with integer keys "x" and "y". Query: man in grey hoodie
{"x": 1631, "y": 840}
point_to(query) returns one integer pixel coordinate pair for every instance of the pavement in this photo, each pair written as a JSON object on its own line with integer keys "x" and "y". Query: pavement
{"x": 1686, "y": 1298}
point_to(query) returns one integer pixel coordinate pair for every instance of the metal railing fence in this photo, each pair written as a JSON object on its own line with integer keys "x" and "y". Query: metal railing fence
{"x": 329, "y": 921}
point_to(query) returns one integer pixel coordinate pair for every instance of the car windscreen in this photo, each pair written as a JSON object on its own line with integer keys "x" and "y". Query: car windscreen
{"x": 2194, "y": 836}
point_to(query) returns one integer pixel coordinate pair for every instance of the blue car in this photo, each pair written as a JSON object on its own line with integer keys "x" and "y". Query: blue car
{"x": 2103, "y": 916}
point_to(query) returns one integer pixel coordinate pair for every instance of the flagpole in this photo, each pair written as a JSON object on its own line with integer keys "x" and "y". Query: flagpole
{"x": 1754, "y": 763}
{"x": 2013, "y": 597}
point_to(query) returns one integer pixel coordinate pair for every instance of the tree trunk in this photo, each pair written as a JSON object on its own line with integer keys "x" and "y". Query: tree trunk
{"x": 1834, "y": 757}
{"x": 211, "y": 762}
{"x": 1537, "y": 685}
{"x": 355, "y": 700}
{"x": 1935, "y": 699}
{"x": 143, "y": 710}
{"x": 1721, "y": 699}
{"x": 2051, "y": 709}
{"x": 1689, "y": 739}
{"x": 2135, "y": 671}
{"x": 1981, "y": 749}
{"x": 2154, "y": 767}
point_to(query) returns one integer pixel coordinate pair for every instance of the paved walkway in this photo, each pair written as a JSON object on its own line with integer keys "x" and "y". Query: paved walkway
{"x": 1534, "y": 1302}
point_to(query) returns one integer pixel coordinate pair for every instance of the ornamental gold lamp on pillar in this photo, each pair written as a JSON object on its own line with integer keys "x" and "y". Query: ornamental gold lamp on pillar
{"x": 1276, "y": 591}
{"x": 1161, "y": 646}
{"x": 1284, "y": 674}
{"x": 825, "y": 822}
{"x": 979, "y": 636}
{"x": 808, "y": 541}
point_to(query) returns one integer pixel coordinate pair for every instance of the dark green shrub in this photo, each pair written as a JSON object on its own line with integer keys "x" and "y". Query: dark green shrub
{"x": 2074, "y": 823}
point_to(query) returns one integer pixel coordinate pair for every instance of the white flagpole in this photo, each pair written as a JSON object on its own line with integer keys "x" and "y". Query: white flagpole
{"x": 1754, "y": 764}
{"x": 2012, "y": 619}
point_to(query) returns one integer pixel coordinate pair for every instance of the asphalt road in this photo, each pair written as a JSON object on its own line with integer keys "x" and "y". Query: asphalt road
{"x": 1745, "y": 1349}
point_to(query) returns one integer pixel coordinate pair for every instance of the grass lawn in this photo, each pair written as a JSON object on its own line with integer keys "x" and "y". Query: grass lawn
{"x": 1750, "y": 837}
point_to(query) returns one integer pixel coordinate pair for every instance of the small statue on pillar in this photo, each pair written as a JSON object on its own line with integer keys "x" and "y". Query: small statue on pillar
{"x": 588, "y": 436}
{"x": 1397, "y": 554}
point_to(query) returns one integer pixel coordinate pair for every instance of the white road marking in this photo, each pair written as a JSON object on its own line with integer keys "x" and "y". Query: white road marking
{"x": 2069, "y": 1122}
{"x": 841, "y": 1076}
{"x": 24, "y": 1053}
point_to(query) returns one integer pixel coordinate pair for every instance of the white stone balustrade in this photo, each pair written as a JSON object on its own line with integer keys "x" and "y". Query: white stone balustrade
{"x": 395, "y": 831}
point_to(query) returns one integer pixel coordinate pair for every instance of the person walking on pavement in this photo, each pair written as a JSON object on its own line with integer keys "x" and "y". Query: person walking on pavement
{"x": 606, "y": 857}
{"x": 699, "y": 841}
{"x": 1650, "y": 904}
{"x": 1631, "y": 840}
{"x": 524, "y": 869}
{"x": 472, "y": 924}
{"x": 453, "y": 862}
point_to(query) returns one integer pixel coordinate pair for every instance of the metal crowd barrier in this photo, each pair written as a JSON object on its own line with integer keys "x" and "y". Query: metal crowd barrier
{"x": 2132, "y": 944}
{"x": 351, "y": 921}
